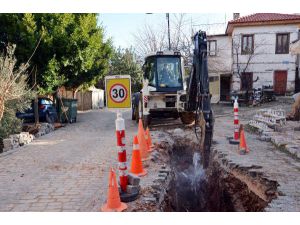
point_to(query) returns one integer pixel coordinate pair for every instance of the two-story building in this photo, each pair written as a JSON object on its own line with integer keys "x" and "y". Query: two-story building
{"x": 254, "y": 51}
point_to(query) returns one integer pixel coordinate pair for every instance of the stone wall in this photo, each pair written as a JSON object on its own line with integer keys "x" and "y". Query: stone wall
{"x": 17, "y": 140}
{"x": 24, "y": 138}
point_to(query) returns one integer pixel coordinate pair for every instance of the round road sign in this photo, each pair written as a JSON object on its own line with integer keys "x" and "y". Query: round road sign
{"x": 118, "y": 93}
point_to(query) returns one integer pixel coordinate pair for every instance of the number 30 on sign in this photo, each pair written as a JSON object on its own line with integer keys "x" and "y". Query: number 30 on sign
{"x": 118, "y": 91}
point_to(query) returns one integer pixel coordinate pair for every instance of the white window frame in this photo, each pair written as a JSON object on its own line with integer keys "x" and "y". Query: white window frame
{"x": 210, "y": 52}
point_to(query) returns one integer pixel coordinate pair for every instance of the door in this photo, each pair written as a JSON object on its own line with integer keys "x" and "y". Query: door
{"x": 280, "y": 80}
{"x": 214, "y": 88}
{"x": 225, "y": 87}
{"x": 297, "y": 81}
{"x": 246, "y": 81}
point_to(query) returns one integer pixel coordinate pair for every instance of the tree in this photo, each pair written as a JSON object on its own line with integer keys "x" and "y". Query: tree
{"x": 124, "y": 61}
{"x": 15, "y": 94}
{"x": 151, "y": 39}
{"x": 72, "y": 51}
{"x": 242, "y": 62}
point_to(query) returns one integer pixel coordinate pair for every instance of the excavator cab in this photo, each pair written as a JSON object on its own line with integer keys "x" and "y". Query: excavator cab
{"x": 164, "y": 72}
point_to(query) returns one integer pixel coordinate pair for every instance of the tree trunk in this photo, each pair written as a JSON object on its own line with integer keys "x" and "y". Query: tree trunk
{"x": 1, "y": 108}
{"x": 36, "y": 111}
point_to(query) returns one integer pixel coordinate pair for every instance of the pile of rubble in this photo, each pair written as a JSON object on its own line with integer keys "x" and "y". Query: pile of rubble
{"x": 17, "y": 140}
{"x": 24, "y": 138}
{"x": 272, "y": 126}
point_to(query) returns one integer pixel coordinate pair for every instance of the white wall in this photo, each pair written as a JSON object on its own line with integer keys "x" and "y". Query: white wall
{"x": 222, "y": 62}
{"x": 219, "y": 64}
{"x": 265, "y": 61}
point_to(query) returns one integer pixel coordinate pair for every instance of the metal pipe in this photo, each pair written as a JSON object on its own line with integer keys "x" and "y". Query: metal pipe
{"x": 168, "y": 20}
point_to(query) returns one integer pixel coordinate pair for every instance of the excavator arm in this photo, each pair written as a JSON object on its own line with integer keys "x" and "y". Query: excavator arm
{"x": 198, "y": 96}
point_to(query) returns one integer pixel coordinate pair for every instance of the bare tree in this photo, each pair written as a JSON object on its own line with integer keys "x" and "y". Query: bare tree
{"x": 151, "y": 39}
{"x": 241, "y": 62}
{"x": 13, "y": 84}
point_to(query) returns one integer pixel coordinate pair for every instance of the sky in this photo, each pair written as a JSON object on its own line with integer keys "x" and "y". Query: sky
{"x": 121, "y": 27}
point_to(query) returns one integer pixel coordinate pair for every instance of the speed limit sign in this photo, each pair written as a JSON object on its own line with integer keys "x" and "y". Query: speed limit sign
{"x": 118, "y": 91}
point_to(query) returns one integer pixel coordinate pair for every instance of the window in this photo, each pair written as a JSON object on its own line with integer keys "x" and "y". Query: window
{"x": 169, "y": 74}
{"x": 247, "y": 43}
{"x": 212, "y": 48}
{"x": 282, "y": 43}
{"x": 150, "y": 71}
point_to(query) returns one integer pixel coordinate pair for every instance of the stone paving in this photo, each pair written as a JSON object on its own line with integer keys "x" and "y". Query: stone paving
{"x": 66, "y": 170}
{"x": 264, "y": 158}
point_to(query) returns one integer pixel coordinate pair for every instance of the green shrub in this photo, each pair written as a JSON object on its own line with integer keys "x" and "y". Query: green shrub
{"x": 9, "y": 125}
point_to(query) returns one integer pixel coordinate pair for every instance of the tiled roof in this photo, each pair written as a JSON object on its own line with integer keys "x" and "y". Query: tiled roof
{"x": 265, "y": 17}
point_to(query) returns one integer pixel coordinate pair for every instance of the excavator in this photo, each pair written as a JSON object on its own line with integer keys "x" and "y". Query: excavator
{"x": 168, "y": 92}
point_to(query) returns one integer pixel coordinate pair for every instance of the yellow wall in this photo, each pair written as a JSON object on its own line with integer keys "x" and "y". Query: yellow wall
{"x": 214, "y": 88}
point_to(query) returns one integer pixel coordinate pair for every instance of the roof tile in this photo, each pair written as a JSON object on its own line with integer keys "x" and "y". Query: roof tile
{"x": 265, "y": 17}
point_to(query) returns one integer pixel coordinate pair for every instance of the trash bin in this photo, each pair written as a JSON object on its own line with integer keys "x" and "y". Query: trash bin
{"x": 67, "y": 109}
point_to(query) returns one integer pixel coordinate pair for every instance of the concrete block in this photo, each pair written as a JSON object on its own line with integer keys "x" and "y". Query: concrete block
{"x": 133, "y": 179}
{"x": 133, "y": 189}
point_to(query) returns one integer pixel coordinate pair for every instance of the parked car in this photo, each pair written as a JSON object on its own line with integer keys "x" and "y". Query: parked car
{"x": 47, "y": 111}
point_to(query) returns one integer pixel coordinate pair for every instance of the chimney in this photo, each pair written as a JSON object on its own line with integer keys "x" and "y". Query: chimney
{"x": 236, "y": 16}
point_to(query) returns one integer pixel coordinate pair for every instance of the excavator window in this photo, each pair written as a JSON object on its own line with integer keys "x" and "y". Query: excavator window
{"x": 150, "y": 71}
{"x": 169, "y": 74}
{"x": 164, "y": 72}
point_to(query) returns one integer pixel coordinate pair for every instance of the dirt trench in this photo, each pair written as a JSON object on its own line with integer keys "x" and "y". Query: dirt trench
{"x": 222, "y": 187}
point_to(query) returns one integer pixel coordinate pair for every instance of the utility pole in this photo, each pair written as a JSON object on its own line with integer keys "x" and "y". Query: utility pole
{"x": 168, "y": 20}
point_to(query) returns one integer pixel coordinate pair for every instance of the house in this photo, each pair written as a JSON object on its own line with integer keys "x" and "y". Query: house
{"x": 219, "y": 66}
{"x": 258, "y": 46}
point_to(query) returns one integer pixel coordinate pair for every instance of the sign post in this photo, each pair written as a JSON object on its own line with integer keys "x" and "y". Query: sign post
{"x": 118, "y": 96}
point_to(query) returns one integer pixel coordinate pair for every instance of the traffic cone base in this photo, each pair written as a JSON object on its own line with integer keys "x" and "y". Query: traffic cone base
{"x": 113, "y": 202}
{"x": 121, "y": 208}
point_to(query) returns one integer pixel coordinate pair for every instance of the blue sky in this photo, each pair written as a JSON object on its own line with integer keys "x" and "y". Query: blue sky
{"x": 121, "y": 27}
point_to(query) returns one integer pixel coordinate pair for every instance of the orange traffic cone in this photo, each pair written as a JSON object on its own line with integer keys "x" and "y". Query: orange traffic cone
{"x": 142, "y": 142}
{"x": 148, "y": 139}
{"x": 243, "y": 149}
{"x": 113, "y": 203}
{"x": 136, "y": 162}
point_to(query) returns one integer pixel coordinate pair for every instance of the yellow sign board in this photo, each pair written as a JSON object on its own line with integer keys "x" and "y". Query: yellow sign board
{"x": 118, "y": 91}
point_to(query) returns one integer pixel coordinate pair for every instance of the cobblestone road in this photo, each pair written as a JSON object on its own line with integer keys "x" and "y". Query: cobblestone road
{"x": 65, "y": 170}
{"x": 271, "y": 162}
